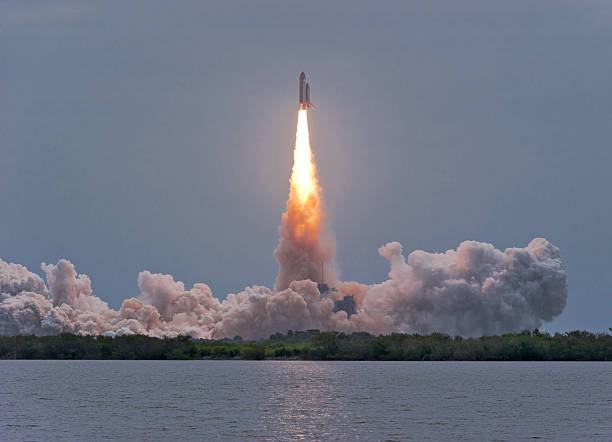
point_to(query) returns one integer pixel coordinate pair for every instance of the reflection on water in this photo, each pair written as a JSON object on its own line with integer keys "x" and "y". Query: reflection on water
{"x": 293, "y": 400}
{"x": 301, "y": 401}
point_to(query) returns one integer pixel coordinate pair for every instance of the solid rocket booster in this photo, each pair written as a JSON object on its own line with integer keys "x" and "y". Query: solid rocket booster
{"x": 304, "y": 93}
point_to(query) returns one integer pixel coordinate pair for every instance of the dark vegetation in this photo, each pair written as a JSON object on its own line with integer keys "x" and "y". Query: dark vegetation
{"x": 525, "y": 346}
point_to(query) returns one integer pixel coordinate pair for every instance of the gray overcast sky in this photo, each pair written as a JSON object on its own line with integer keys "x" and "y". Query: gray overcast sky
{"x": 158, "y": 135}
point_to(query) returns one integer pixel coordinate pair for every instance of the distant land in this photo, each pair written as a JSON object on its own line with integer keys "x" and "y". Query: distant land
{"x": 314, "y": 345}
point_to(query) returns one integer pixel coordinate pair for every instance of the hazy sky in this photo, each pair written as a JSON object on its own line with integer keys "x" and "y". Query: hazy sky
{"x": 158, "y": 135}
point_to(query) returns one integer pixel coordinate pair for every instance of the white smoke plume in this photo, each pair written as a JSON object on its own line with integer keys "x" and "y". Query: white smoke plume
{"x": 15, "y": 278}
{"x": 67, "y": 287}
{"x": 299, "y": 260}
{"x": 472, "y": 291}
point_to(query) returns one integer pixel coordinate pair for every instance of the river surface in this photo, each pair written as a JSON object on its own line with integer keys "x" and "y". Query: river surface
{"x": 293, "y": 400}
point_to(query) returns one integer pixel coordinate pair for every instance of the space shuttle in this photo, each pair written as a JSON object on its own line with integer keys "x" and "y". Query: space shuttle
{"x": 304, "y": 93}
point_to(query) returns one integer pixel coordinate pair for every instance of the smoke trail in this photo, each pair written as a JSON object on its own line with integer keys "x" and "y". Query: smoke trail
{"x": 305, "y": 243}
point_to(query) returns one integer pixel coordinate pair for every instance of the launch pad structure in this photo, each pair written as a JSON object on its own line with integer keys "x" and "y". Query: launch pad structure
{"x": 346, "y": 304}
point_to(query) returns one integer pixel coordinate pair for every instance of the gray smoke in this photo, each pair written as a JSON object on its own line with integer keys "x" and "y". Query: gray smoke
{"x": 471, "y": 291}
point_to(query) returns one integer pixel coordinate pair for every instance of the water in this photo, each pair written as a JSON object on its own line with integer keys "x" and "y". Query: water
{"x": 292, "y": 400}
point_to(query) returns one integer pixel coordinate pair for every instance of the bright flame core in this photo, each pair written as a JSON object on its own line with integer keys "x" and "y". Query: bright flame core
{"x": 304, "y": 205}
{"x": 303, "y": 177}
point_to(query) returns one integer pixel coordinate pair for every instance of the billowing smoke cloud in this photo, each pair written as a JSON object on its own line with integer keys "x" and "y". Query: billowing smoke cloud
{"x": 15, "y": 278}
{"x": 69, "y": 288}
{"x": 23, "y": 300}
{"x": 474, "y": 290}
{"x": 471, "y": 291}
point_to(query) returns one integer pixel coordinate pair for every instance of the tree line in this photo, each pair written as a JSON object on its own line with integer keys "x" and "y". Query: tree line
{"x": 314, "y": 345}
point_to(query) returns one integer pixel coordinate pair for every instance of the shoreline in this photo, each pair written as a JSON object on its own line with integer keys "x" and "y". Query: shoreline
{"x": 316, "y": 346}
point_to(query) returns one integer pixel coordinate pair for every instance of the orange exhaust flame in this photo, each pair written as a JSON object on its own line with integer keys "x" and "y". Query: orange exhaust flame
{"x": 304, "y": 205}
{"x": 305, "y": 243}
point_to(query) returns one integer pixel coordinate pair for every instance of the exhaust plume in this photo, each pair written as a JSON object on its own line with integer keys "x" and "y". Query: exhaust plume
{"x": 305, "y": 242}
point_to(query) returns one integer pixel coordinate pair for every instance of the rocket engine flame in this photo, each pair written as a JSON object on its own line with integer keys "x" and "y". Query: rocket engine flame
{"x": 303, "y": 177}
{"x": 305, "y": 242}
